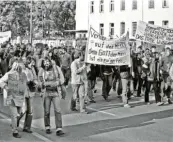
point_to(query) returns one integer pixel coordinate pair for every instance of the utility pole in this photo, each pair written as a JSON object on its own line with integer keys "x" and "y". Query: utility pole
{"x": 31, "y": 23}
{"x": 142, "y": 10}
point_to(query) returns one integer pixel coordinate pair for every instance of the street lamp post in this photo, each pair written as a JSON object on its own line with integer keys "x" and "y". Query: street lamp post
{"x": 31, "y": 23}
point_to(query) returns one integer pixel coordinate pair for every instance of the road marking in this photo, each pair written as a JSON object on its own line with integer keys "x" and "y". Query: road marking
{"x": 104, "y": 112}
{"x": 6, "y": 119}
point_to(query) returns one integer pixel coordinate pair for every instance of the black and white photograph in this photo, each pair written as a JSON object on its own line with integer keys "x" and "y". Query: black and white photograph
{"x": 86, "y": 70}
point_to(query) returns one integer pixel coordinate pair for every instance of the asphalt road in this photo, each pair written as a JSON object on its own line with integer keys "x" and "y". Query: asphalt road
{"x": 106, "y": 122}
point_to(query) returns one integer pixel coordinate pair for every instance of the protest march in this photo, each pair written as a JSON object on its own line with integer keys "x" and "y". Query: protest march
{"x": 38, "y": 70}
{"x": 91, "y": 79}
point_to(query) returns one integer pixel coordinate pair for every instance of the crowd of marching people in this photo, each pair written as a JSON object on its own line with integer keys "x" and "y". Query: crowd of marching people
{"x": 48, "y": 71}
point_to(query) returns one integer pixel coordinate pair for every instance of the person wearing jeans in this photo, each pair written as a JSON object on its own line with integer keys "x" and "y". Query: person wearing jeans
{"x": 51, "y": 78}
{"x": 31, "y": 88}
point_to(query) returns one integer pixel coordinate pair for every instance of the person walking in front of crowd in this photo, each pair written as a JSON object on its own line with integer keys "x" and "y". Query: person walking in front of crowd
{"x": 65, "y": 65}
{"x": 15, "y": 101}
{"x": 31, "y": 83}
{"x": 79, "y": 82}
{"x": 166, "y": 63}
{"x": 50, "y": 83}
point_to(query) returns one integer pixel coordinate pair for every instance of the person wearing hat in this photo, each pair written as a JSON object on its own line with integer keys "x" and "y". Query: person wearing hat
{"x": 166, "y": 63}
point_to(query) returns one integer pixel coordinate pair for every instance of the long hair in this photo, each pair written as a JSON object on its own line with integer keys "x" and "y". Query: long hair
{"x": 42, "y": 64}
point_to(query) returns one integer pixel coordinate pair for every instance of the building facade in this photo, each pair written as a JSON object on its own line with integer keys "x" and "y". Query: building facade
{"x": 114, "y": 17}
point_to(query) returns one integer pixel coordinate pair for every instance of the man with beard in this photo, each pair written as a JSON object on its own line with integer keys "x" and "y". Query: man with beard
{"x": 51, "y": 78}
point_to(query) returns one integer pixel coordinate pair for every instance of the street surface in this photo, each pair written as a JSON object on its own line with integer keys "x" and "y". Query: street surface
{"x": 106, "y": 122}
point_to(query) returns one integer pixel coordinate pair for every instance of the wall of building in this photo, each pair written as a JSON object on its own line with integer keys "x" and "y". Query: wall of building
{"x": 158, "y": 14}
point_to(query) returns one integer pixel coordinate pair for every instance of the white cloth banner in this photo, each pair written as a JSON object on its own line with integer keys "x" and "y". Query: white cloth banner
{"x": 5, "y": 36}
{"x": 154, "y": 34}
{"x": 104, "y": 51}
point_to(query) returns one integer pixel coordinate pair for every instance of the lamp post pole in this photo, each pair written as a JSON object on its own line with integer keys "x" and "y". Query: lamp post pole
{"x": 31, "y": 23}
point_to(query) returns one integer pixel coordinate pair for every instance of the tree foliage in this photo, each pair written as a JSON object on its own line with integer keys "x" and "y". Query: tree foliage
{"x": 49, "y": 17}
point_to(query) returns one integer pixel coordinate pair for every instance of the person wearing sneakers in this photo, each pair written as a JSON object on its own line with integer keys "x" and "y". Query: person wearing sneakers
{"x": 50, "y": 79}
{"x": 166, "y": 63}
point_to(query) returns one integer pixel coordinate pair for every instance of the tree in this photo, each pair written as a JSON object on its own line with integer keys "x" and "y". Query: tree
{"x": 48, "y": 17}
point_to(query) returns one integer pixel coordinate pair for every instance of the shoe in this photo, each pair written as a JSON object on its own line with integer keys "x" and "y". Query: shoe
{"x": 59, "y": 133}
{"x": 169, "y": 101}
{"x": 159, "y": 103}
{"x": 92, "y": 101}
{"x": 16, "y": 135}
{"x": 74, "y": 109}
{"x": 148, "y": 103}
{"x": 48, "y": 131}
{"x": 127, "y": 106}
{"x": 84, "y": 111}
{"x": 105, "y": 97}
{"x": 95, "y": 91}
{"x": 27, "y": 131}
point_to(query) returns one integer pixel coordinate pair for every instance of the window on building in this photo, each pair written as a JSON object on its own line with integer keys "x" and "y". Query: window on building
{"x": 134, "y": 4}
{"x": 165, "y": 24}
{"x": 101, "y": 5}
{"x": 151, "y": 3}
{"x": 134, "y": 27}
{"x": 80, "y": 35}
{"x": 165, "y": 4}
{"x": 92, "y": 7}
{"x": 122, "y": 28}
{"x": 111, "y": 5}
{"x": 84, "y": 35}
{"x": 151, "y": 22}
{"x": 122, "y": 5}
{"x": 102, "y": 29}
{"x": 111, "y": 29}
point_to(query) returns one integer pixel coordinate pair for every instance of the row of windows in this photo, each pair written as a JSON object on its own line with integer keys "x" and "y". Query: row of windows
{"x": 123, "y": 27}
{"x": 151, "y": 5}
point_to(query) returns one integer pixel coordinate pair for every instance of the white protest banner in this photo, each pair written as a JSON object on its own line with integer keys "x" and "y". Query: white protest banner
{"x": 5, "y": 36}
{"x": 104, "y": 51}
{"x": 154, "y": 34}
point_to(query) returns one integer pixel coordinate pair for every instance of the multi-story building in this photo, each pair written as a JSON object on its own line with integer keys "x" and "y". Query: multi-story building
{"x": 115, "y": 17}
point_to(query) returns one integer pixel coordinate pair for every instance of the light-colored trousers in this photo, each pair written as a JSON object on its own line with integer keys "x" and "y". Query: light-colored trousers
{"x": 15, "y": 112}
{"x": 79, "y": 91}
{"x": 125, "y": 88}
